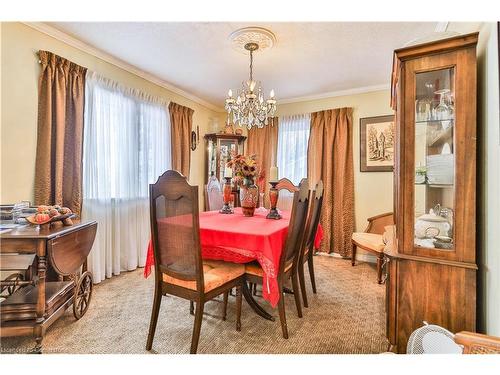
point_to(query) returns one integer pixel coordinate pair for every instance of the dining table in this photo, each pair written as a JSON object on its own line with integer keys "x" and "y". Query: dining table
{"x": 241, "y": 239}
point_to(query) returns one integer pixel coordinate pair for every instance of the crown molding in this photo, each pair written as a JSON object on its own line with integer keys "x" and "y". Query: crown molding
{"x": 441, "y": 27}
{"x": 76, "y": 43}
{"x": 332, "y": 94}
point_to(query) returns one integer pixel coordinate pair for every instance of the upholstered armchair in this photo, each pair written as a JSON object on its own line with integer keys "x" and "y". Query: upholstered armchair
{"x": 371, "y": 239}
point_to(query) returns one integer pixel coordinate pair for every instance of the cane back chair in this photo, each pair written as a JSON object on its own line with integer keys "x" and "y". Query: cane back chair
{"x": 179, "y": 268}
{"x": 308, "y": 250}
{"x": 290, "y": 254}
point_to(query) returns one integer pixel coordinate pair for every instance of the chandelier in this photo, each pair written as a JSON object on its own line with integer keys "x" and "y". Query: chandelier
{"x": 250, "y": 108}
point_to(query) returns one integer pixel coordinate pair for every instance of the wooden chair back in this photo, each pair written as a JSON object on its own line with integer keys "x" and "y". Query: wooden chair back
{"x": 175, "y": 228}
{"x": 314, "y": 215}
{"x": 296, "y": 228}
{"x": 377, "y": 224}
{"x": 214, "y": 196}
{"x": 286, "y": 190}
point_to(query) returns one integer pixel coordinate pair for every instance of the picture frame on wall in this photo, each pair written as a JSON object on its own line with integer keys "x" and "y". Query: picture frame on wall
{"x": 377, "y": 137}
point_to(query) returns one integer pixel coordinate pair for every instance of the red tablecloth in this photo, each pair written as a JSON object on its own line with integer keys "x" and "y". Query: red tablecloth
{"x": 239, "y": 239}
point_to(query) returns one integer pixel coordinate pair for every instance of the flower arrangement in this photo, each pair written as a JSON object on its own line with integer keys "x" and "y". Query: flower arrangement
{"x": 245, "y": 169}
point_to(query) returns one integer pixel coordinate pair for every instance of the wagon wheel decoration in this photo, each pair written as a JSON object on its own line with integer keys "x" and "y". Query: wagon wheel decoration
{"x": 83, "y": 294}
{"x": 12, "y": 288}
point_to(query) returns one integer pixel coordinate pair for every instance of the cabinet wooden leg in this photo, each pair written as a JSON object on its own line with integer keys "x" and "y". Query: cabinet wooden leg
{"x": 380, "y": 260}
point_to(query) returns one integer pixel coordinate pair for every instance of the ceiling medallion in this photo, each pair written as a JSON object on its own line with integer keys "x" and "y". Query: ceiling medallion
{"x": 250, "y": 108}
{"x": 263, "y": 37}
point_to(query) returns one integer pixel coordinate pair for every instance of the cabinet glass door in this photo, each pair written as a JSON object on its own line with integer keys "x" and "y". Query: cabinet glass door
{"x": 434, "y": 159}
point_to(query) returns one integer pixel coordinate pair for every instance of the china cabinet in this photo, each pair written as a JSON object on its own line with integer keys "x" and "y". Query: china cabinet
{"x": 219, "y": 148}
{"x": 431, "y": 269}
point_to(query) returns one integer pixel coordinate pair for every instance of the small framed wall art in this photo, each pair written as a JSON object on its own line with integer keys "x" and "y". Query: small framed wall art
{"x": 377, "y": 137}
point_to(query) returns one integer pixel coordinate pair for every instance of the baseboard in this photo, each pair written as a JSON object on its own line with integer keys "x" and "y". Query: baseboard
{"x": 359, "y": 257}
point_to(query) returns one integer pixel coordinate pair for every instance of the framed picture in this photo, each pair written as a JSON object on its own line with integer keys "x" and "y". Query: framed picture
{"x": 377, "y": 137}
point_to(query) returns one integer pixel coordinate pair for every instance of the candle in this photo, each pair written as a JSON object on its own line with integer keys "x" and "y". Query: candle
{"x": 228, "y": 172}
{"x": 273, "y": 174}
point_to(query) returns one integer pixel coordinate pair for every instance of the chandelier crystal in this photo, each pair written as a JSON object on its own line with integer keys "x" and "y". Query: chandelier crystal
{"x": 249, "y": 108}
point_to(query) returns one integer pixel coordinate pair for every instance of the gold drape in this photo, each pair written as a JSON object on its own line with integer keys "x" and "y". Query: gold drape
{"x": 61, "y": 99}
{"x": 264, "y": 143}
{"x": 181, "y": 120}
{"x": 329, "y": 158}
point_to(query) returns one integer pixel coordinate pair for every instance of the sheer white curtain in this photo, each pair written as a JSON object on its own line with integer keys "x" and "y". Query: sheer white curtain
{"x": 126, "y": 147}
{"x": 293, "y": 137}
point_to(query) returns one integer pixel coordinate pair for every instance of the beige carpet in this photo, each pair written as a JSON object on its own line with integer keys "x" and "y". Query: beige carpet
{"x": 346, "y": 316}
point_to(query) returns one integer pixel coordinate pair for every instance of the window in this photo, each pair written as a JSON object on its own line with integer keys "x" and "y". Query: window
{"x": 293, "y": 137}
{"x": 126, "y": 147}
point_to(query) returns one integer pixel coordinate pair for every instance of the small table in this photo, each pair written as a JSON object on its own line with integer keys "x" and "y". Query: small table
{"x": 240, "y": 239}
{"x": 31, "y": 310}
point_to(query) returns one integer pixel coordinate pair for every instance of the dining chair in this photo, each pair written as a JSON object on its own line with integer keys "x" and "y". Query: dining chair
{"x": 289, "y": 256}
{"x": 307, "y": 254}
{"x": 213, "y": 194}
{"x": 286, "y": 189}
{"x": 179, "y": 268}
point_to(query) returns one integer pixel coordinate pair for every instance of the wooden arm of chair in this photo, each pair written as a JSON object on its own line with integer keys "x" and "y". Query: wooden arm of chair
{"x": 476, "y": 343}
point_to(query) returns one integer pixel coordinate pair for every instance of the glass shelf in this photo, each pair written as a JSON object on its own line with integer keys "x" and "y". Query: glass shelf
{"x": 435, "y": 121}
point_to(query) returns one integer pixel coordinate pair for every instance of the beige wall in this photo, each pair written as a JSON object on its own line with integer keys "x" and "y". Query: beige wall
{"x": 19, "y": 71}
{"x": 372, "y": 190}
{"x": 489, "y": 187}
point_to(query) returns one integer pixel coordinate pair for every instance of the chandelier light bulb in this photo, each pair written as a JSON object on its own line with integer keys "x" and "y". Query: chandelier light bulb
{"x": 271, "y": 94}
{"x": 230, "y": 93}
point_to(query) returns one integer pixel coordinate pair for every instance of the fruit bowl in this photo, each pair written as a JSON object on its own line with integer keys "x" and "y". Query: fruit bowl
{"x": 51, "y": 214}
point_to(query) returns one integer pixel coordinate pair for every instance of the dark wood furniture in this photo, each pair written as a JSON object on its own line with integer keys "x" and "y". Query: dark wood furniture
{"x": 179, "y": 269}
{"x": 219, "y": 148}
{"x": 307, "y": 254}
{"x": 476, "y": 343}
{"x": 290, "y": 255}
{"x": 60, "y": 251}
{"x": 429, "y": 280}
{"x": 371, "y": 239}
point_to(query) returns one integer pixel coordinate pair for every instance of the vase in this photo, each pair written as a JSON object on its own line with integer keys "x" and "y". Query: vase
{"x": 249, "y": 196}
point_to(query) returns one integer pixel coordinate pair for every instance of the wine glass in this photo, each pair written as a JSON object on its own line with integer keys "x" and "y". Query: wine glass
{"x": 442, "y": 110}
{"x": 423, "y": 106}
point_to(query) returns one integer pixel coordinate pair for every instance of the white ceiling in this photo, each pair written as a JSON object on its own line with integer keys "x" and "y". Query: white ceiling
{"x": 308, "y": 59}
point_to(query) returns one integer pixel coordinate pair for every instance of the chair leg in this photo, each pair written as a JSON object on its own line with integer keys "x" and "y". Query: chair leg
{"x": 296, "y": 294}
{"x": 238, "y": 308}
{"x": 197, "y": 326}
{"x": 281, "y": 310}
{"x": 380, "y": 260}
{"x": 191, "y": 307}
{"x": 254, "y": 289}
{"x": 353, "y": 256}
{"x": 154, "y": 316}
{"x": 224, "y": 308}
{"x": 302, "y": 283}
{"x": 310, "y": 265}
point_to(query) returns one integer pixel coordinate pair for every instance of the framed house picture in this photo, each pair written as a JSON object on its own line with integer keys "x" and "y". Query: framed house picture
{"x": 377, "y": 139}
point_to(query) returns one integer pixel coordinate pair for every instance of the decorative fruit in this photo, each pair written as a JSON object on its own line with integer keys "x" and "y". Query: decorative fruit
{"x": 57, "y": 207}
{"x": 65, "y": 210}
{"x": 42, "y": 218}
{"x": 42, "y": 208}
{"x": 53, "y": 212}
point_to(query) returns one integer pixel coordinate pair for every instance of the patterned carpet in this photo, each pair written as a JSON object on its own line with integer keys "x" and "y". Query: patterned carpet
{"x": 346, "y": 316}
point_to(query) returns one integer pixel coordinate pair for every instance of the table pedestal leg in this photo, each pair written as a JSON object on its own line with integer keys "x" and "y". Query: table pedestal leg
{"x": 253, "y": 304}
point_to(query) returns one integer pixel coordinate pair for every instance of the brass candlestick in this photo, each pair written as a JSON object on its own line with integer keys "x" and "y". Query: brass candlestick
{"x": 227, "y": 192}
{"x": 273, "y": 198}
